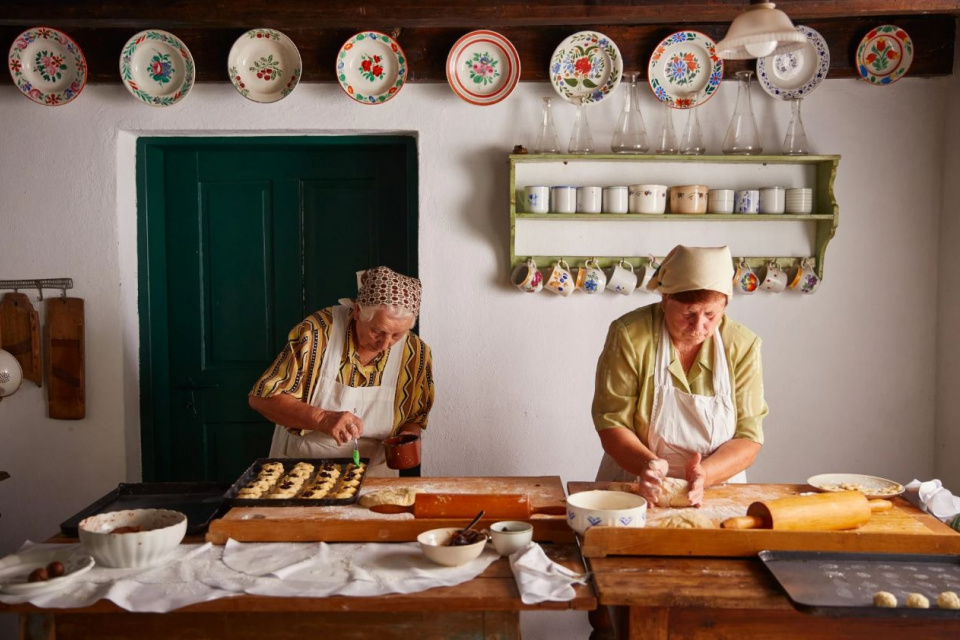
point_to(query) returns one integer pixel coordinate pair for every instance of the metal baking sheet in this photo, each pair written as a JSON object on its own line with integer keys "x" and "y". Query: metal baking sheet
{"x": 843, "y": 584}
{"x": 200, "y": 501}
{"x": 247, "y": 476}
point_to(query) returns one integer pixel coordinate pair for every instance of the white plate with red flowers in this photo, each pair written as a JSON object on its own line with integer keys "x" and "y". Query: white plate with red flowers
{"x": 371, "y": 67}
{"x": 47, "y": 66}
{"x": 483, "y": 67}
{"x": 586, "y": 67}
{"x": 684, "y": 70}
{"x": 157, "y": 68}
{"x": 884, "y": 55}
{"x": 264, "y": 65}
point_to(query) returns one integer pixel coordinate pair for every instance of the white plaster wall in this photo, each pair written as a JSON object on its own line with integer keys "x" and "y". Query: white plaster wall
{"x": 850, "y": 371}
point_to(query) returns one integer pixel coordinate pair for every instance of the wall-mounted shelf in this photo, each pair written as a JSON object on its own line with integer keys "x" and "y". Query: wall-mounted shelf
{"x": 731, "y": 172}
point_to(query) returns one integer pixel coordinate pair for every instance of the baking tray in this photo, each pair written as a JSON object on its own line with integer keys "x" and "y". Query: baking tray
{"x": 231, "y": 498}
{"x": 200, "y": 501}
{"x": 843, "y": 584}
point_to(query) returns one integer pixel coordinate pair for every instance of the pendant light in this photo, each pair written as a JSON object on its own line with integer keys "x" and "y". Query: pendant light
{"x": 759, "y": 31}
{"x": 10, "y": 374}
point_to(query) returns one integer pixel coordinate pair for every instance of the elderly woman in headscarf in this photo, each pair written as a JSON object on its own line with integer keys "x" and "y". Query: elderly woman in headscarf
{"x": 679, "y": 385}
{"x": 351, "y": 371}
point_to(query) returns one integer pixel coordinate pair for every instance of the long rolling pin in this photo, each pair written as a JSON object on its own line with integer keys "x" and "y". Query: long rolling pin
{"x": 466, "y": 505}
{"x": 820, "y": 512}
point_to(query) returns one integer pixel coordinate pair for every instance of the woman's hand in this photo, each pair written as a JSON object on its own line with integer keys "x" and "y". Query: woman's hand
{"x": 651, "y": 479}
{"x": 342, "y": 426}
{"x": 696, "y": 477}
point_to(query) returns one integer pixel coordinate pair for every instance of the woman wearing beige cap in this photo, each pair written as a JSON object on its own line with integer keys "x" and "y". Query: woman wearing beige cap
{"x": 351, "y": 371}
{"x": 679, "y": 387}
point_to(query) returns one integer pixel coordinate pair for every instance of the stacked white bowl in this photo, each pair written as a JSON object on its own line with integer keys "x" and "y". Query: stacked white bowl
{"x": 799, "y": 200}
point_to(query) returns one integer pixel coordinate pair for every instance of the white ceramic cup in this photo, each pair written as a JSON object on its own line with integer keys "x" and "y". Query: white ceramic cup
{"x": 615, "y": 200}
{"x": 591, "y": 278}
{"x": 745, "y": 281}
{"x": 563, "y": 199}
{"x": 560, "y": 281}
{"x": 622, "y": 279}
{"x": 720, "y": 201}
{"x": 775, "y": 279}
{"x": 771, "y": 200}
{"x": 649, "y": 270}
{"x": 806, "y": 280}
{"x": 536, "y": 199}
{"x": 648, "y": 198}
{"x": 747, "y": 201}
{"x": 799, "y": 200}
{"x": 589, "y": 199}
{"x": 527, "y": 277}
{"x": 510, "y": 536}
{"x": 691, "y": 198}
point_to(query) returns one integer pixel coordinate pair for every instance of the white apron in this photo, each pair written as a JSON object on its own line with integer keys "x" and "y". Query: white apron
{"x": 682, "y": 423}
{"x": 374, "y": 405}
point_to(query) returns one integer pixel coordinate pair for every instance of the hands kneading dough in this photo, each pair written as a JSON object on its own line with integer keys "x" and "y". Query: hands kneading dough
{"x": 674, "y": 493}
{"x": 398, "y": 497}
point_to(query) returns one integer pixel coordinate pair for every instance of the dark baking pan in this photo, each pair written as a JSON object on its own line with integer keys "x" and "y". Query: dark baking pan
{"x": 200, "y": 501}
{"x": 843, "y": 584}
{"x": 247, "y": 476}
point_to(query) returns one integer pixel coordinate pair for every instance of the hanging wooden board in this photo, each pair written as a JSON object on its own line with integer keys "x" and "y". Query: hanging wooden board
{"x": 66, "y": 395}
{"x": 20, "y": 334}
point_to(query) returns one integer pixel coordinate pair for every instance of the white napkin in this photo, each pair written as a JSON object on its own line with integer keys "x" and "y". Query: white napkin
{"x": 932, "y": 497}
{"x": 540, "y": 579}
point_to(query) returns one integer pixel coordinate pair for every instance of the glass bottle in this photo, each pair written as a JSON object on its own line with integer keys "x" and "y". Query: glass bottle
{"x": 667, "y": 142}
{"x": 547, "y": 141}
{"x": 795, "y": 142}
{"x": 581, "y": 142}
{"x": 691, "y": 143}
{"x": 630, "y": 136}
{"x": 743, "y": 137}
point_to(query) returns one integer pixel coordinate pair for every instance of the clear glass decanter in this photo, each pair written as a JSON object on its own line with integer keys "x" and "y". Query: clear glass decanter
{"x": 547, "y": 140}
{"x": 691, "y": 143}
{"x": 743, "y": 137}
{"x": 581, "y": 142}
{"x": 630, "y": 136}
{"x": 795, "y": 142}
{"x": 667, "y": 141}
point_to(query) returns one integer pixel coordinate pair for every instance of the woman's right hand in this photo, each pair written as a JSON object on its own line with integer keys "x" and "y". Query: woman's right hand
{"x": 342, "y": 426}
{"x": 651, "y": 479}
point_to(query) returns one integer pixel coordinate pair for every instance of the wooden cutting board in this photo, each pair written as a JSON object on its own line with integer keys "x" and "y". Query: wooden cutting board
{"x": 20, "y": 334}
{"x": 353, "y": 523}
{"x": 66, "y": 394}
{"x": 902, "y": 529}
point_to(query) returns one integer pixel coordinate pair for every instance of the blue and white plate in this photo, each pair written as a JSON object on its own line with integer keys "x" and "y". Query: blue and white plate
{"x": 794, "y": 75}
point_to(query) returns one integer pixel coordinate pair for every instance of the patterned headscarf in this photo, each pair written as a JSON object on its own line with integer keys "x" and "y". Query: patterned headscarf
{"x": 382, "y": 285}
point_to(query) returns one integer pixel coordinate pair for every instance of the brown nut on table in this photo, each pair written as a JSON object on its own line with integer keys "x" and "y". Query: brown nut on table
{"x": 55, "y": 569}
{"x": 38, "y": 575}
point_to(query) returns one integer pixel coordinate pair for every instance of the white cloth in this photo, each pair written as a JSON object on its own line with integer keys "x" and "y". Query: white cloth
{"x": 540, "y": 579}
{"x": 931, "y": 496}
{"x": 374, "y": 405}
{"x": 683, "y": 423}
{"x": 199, "y": 573}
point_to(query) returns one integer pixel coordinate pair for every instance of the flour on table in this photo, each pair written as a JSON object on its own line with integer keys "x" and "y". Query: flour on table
{"x": 401, "y": 497}
{"x": 686, "y": 519}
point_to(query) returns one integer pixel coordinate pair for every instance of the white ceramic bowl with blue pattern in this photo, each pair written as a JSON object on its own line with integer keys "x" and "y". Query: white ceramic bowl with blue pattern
{"x": 605, "y": 509}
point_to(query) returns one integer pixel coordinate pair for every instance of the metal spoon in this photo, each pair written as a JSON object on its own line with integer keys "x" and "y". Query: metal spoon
{"x": 460, "y": 537}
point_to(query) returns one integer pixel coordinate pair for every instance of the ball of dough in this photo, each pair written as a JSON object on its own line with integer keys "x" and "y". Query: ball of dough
{"x": 948, "y": 600}
{"x": 399, "y": 497}
{"x": 674, "y": 493}
{"x": 918, "y": 601}
{"x": 689, "y": 519}
{"x": 884, "y": 599}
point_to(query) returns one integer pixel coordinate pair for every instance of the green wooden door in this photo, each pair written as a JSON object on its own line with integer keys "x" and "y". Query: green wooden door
{"x": 239, "y": 239}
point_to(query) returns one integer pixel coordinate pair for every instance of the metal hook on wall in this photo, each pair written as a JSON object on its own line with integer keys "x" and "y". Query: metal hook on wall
{"x": 40, "y": 291}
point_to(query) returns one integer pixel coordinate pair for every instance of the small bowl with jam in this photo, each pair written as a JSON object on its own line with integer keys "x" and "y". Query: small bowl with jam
{"x": 451, "y": 546}
{"x": 132, "y": 538}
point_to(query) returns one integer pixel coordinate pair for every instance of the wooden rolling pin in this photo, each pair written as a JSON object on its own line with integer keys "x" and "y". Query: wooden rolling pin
{"x": 820, "y": 512}
{"x": 466, "y": 505}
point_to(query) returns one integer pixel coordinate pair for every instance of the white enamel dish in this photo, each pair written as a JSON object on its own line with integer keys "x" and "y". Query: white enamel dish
{"x": 157, "y": 68}
{"x": 264, "y": 65}
{"x": 483, "y": 67}
{"x": 870, "y": 486}
{"x": 371, "y": 67}
{"x": 47, "y": 66}
{"x": 796, "y": 74}
{"x": 15, "y": 570}
{"x": 587, "y": 67}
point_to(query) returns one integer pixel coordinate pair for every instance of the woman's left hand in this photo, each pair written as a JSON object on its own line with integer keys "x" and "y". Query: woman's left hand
{"x": 697, "y": 478}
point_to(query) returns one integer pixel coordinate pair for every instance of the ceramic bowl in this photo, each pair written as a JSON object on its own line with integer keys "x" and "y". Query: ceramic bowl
{"x": 160, "y": 531}
{"x": 605, "y": 508}
{"x": 433, "y": 544}
{"x": 691, "y": 198}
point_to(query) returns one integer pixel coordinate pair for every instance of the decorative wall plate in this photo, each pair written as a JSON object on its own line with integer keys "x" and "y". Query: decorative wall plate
{"x": 884, "y": 54}
{"x": 157, "y": 68}
{"x": 371, "y": 67}
{"x": 47, "y": 66}
{"x": 586, "y": 66}
{"x": 796, "y": 74}
{"x": 264, "y": 65}
{"x": 684, "y": 70}
{"x": 483, "y": 67}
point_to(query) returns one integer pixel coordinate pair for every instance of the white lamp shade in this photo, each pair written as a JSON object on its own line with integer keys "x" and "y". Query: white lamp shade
{"x": 760, "y": 31}
{"x": 10, "y": 374}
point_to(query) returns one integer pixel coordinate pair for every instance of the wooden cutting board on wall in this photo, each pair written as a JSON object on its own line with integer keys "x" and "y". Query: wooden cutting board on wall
{"x": 20, "y": 334}
{"x": 66, "y": 395}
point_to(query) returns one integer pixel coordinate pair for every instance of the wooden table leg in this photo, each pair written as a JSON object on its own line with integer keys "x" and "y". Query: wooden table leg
{"x": 602, "y": 623}
{"x": 37, "y": 626}
{"x": 643, "y": 623}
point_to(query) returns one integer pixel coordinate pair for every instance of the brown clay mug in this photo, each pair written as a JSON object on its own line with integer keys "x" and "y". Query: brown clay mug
{"x": 402, "y": 451}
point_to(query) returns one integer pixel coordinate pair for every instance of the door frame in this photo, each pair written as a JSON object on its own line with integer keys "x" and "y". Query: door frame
{"x": 152, "y": 272}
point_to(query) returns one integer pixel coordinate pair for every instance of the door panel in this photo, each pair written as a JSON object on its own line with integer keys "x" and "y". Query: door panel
{"x": 246, "y": 237}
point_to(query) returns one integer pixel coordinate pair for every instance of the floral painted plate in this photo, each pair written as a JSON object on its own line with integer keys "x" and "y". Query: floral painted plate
{"x": 264, "y": 65}
{"x": 371, "y": 67}
{"x": 684, "y": 70}
{"x": 794, "y": 75}
{"x": 884, "y": 54}
{"x": 483, "y": 67}
{"x": 157, "y": 68}
{"x": 47, "y": 66}
{"x": 586, "y": 66}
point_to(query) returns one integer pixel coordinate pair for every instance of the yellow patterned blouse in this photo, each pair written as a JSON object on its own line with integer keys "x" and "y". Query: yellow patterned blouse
{"x": 297, "y": 369}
